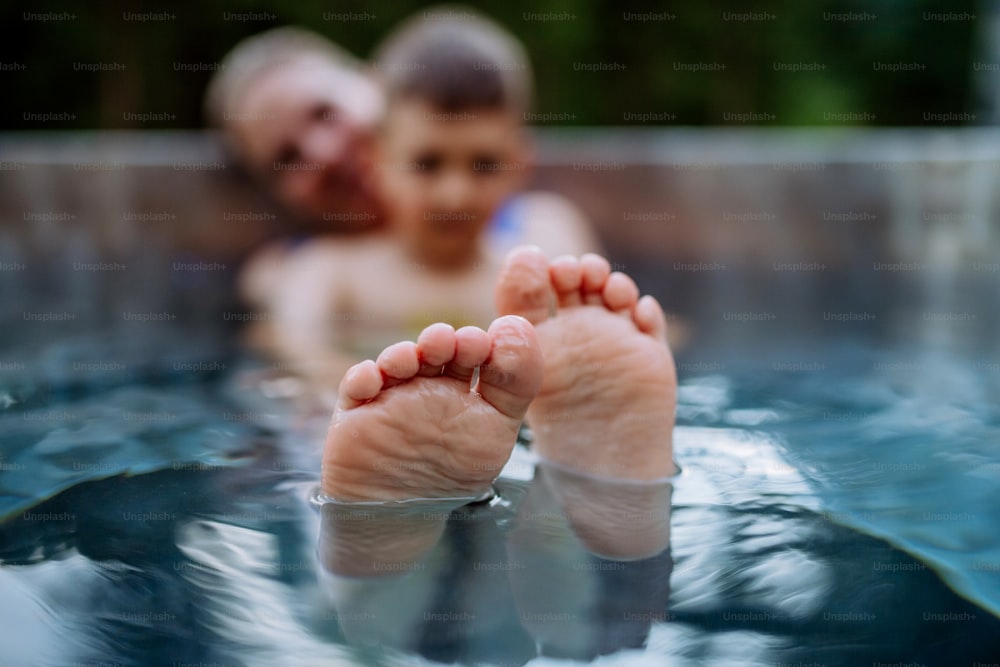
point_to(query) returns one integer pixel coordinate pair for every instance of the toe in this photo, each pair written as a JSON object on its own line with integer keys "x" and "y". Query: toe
{"x": 472, "y": 348}
{"x": 649, "y": 318}
{"x": 435, "y": 348}
{"x": 620, "y": 292}
{"x": 512, "y": 375}
{"x": 595, "y": 273}
{"x": 567, "y": 277}
{"x": 524, "y": 287}
{"x": 362, "y": 382}
{"x": 398, "y": 362}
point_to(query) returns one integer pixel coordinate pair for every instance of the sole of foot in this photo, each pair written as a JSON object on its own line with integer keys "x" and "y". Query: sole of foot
{"x": 607, "y": 401}
{"x": 412, "y": 425}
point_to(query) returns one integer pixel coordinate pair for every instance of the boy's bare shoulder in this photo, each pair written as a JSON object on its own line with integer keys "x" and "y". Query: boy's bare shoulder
{"x": 556, "y": 225}
{"x": 552, "y": 202}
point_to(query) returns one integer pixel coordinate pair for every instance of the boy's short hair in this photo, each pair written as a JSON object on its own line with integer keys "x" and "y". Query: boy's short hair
{"x": 455, "y": 59}
{"x": 256, "y": 54}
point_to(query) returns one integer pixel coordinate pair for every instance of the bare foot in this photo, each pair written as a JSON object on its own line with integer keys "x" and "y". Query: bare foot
{"x": 408, "y": 425}
{"x": 608, "y": 397}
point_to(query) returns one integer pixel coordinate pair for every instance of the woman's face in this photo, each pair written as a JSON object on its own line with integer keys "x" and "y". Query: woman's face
{"x": 306, "y": 130}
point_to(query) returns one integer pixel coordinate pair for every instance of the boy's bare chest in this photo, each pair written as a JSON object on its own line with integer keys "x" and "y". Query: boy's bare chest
{"x": 400, "y": 303}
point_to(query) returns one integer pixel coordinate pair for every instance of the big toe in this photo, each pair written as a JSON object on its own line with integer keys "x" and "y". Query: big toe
{"x": 524, "y": 287}
{"x": 512, "y": 376}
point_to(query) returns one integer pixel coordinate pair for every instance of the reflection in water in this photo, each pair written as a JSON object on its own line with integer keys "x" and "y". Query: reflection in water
{"x": 580, "y": 569}
{"x": 591, "y": 562}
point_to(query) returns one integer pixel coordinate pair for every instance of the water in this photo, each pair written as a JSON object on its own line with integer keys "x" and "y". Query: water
{"x": 835, "y": 507}
{"x": 157, "y": 512}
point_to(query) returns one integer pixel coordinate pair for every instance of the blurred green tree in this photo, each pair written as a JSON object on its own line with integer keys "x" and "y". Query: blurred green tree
{"x": 597, "y": 62}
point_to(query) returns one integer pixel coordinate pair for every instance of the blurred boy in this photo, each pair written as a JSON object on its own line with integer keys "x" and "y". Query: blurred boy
{"x": 451, "y": 153}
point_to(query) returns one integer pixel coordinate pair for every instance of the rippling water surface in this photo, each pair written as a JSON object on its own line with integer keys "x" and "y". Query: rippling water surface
{"x": 159, "y": 513}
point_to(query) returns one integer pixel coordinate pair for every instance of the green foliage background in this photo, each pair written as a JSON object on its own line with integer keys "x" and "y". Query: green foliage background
{"x": 584, "y": 32}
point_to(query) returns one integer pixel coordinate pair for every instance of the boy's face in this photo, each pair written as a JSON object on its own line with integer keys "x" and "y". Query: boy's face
{"x": 444, "y": 174}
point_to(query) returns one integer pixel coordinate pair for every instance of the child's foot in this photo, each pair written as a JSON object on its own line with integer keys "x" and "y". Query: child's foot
{"x": 408, "y": 426}
{"x": 607, "y": 401}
